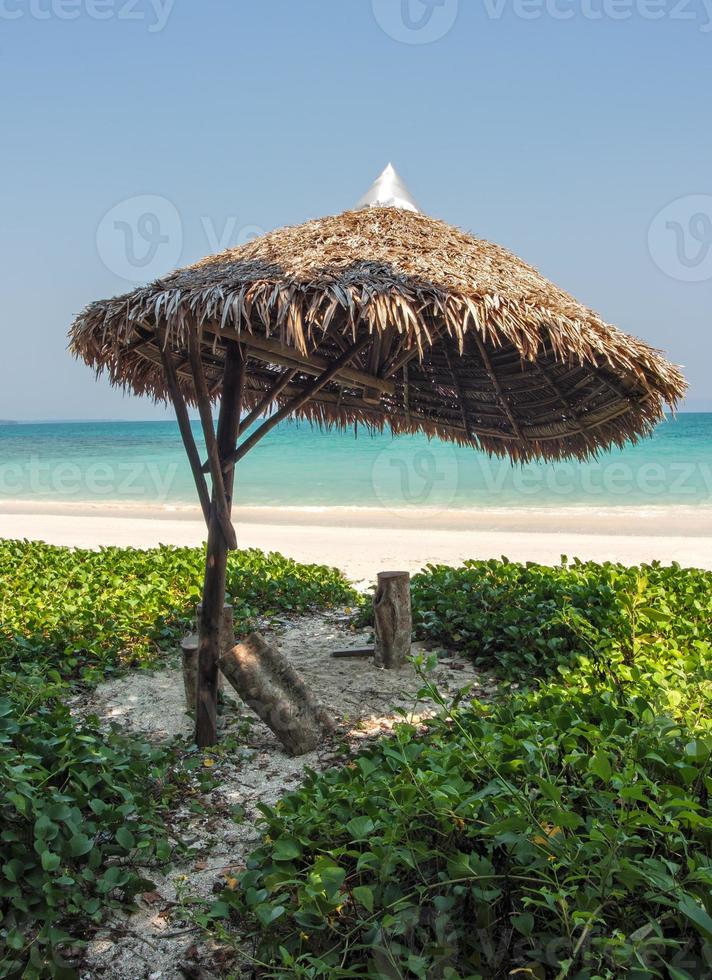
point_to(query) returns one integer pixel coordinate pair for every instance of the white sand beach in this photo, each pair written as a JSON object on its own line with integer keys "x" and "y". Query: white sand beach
{"x": 363, "y": 541}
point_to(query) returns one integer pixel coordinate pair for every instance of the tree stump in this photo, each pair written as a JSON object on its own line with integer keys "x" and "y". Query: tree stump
{"x": 393, "y": 619}
{"x": 227, "y": 626}
{"x": 271, "y": 687}
{"x": 190, "y": 647}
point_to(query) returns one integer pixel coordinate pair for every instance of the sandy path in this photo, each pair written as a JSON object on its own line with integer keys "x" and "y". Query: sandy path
{"x": 157, "y": 941}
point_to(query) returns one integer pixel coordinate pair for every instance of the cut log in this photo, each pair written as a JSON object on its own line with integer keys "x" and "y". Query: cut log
{"x": 271, "y": 687}
{"x": 393, "y": 619}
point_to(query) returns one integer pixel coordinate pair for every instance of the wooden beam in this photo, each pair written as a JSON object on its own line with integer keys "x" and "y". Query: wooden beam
{"x": 407, "y": 354}
{"x": 219, "y": 497}
{"x": 502, "y": 398}
{"x": 269, "y": 396}
{"x": 373, "y": 395}
{"x": 349, "y": 402}
{"x": 561, "y": 396}
{"x": 186, "y": 432}
{"x": 334, "y": 368}
{"x": 458, "y": 392}
{"x": 400, "y": 361}
{"x": 271, "y": 351}
{"x": 614, "y": 386}
{"x": 277, "y": 388}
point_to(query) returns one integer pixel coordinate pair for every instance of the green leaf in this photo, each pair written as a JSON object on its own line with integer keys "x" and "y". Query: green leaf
{"x": 697, "y": 915}
{"x": 364, "y": 895}
{"x": 655, "y": 614}
{"x": 523, "y": 923}
{"x": 678, "y": 974}
{"x": 80, "y": 844}
{"x": 360, "y": 827}
{"x": 600, "y": 765}
{"x": 125, "y": 838}
{"x": 50, "y": 861}
{"x": 267, "y": 914}
{"x": 285, "y": 849}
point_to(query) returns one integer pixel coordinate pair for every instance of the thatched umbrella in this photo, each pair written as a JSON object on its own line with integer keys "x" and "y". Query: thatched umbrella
{"x": 379, "y": 316}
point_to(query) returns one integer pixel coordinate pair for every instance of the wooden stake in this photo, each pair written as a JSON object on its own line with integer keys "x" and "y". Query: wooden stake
{"x": 393, "y": 619}
{"x": 189, "y": 647}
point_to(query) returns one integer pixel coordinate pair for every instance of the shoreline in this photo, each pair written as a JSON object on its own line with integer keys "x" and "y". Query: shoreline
{"x": 364, "y": 541}
{"x": 626, "y": 520}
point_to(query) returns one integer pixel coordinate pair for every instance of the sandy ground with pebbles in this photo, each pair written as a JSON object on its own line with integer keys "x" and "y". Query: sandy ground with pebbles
{"x": 159, "y": 941}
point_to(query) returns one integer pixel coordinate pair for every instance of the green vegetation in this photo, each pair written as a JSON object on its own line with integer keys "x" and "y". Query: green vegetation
{"x": 82, "y": 811}
{"x": 563, "y": 832}
{"x": 92, "y": 613}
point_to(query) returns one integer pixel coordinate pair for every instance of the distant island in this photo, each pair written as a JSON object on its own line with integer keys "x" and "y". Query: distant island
{"x": 9, "y": 422}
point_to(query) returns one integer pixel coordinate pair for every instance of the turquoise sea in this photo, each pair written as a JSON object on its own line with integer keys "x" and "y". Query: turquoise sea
{"x": 297, "y": 466}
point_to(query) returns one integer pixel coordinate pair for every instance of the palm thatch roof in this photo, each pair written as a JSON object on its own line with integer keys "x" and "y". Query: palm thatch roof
{"x": 461, "y": 339}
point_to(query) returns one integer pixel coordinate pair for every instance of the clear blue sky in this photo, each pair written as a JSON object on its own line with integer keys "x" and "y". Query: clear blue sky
{"x": 560, "y": 138}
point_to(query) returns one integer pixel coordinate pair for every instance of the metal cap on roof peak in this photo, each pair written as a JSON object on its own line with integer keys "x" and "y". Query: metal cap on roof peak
{"x": 388, "y": 190}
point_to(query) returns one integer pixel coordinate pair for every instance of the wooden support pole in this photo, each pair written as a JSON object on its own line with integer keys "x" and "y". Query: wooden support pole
{"x": 219, "y": 497}
{"x": 269, "y": 685}
{"x": 186, "y": 432}
{"x": 227, "y": 626}
{"x": 393, "y": 619}
{"x": 211, "y": 617}
{"x": 190, "y": 648}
